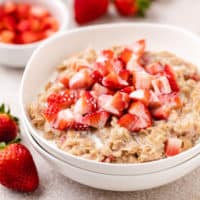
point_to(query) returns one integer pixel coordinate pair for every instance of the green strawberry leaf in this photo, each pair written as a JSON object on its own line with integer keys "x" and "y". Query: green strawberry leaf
{"x": 2, "y": 145}
{"x": 143, "y": 5}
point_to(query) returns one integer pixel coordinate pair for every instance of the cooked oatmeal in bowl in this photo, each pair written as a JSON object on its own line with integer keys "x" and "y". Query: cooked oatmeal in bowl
{"x": 123, "y": 104}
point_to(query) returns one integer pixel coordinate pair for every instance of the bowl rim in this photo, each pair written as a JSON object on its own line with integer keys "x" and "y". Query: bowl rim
{"x": 90, "y": 28}
{"x": 64, "y": 8}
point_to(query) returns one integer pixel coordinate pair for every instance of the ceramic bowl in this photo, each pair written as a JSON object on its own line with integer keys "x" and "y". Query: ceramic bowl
{"x": 115, "y": 182}
{"x": 53, "y": 51}
{"x": 17, "y": 55}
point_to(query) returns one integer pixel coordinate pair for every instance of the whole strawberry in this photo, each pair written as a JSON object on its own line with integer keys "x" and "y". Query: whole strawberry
{"x": 132, "y": 7}
{"x": 89, "y": 10}
{"x": 8, "y": 125}
{"x": 17, "y": 168}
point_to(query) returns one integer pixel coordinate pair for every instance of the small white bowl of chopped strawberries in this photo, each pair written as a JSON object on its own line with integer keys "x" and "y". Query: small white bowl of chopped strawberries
{"x": 25, "y": 24}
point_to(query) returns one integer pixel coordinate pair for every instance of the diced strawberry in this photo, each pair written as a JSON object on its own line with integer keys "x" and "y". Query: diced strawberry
{"x": 128, "y": 89}
{"x": 116, "y": 104}
{"x": 99, "y": 66}
{"x": 7, "y": 36}
{"x": 142, "y": 80}
{"x": 35, "y": 24}
{"x": 9, "y": 23}
{"x": 103, "y": 99}
{"x": 85, "y": 104}
{"x": 50, "y": 23}
{"x": 9, "y": 7}
{"x": 108, "y": 159}
{"x": 168, "y": 102}
{"x": 154, "y": 68}
{"x": 38, "y": 11}
{"x": 29, "y": 37}
{"x": 161, "y": 85}
{"x": 48, "y": 33}
{"x": 172, "y": 100}
{"x": 64, "y": 81}
{"x": 99, "y": 90}
{"x": 125, "y": 55}
{"x": 65, "y": 120}
{"x": 173, "y": 146}
{"x": 2, "y": 12}
{"x": 134, "y": 64}
{"x": 97, "y": 119}
{"x": 80, "y": 126}
{"x": 161, "y": 113}
{"x": 141, "y": 111}
{"x": 124, "y": 74}
{"x": 142, "y": 95}
{"x": 130, "y": 122}
{"x": 81, "y": 80}
{"x": 96, "y": 76}
{"x": 23, "y": 25}
{"x": 113, "y": 81}
{"x": 154, "y": 101}
{"x": 63, "y": 100}
{"x": 109, "y": 54}
{"x": 51, "y": 111}
{"x": 117, "y": 66}
{"x": 138, "y": 47}
{"x": 171, "y": 77}
{"x": 23, "y": 10}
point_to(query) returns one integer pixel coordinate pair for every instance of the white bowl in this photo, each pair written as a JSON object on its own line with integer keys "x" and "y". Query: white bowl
{"x": 52, "y": 52}
{"x": 116, "y": 182}
{"x": 17, "y": 55}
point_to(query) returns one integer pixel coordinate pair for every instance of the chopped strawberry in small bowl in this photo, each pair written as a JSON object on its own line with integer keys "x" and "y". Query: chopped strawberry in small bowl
{"x": 24, "y": 24}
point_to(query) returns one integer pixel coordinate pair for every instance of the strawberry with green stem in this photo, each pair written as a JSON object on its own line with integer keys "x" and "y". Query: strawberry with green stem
{"x": 8, "y": 125}
{"x": 132, "y": 7}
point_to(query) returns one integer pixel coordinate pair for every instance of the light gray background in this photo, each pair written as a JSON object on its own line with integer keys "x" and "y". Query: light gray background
{"x": 184, "y": 13}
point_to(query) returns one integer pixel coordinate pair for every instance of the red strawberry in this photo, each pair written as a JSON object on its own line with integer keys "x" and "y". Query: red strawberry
{"x": 138, "y": 47}
{"x": 142, "y": 80}
{"x": 23, "y": 25}
{"x": 129, "y": 121}
{"x": 17, "y": 169}
{"x": 23, "y": 10}
{"x": 99, "y": 90}
{"x": 8, "y": 125}
{"x": 38, "y": 11}
{"x": 154, "y": 68}
{"x": 143, "y": 114}
{"x": 132, "y": 7}
{"x": 97, "y": 119}
{"x": 85, "y": 104}
{"x": 113, "y": 81}
{"x": 9, "y": 22}
{"x": 173, "y": 146}
{"x": 124, "y": 74}
{"x": 9, "y": 7}
{"x": 81, "y": 80}
{"x": 89, "y": 10}
{"x": 64, "y": 81}
{"x": 154, "y": 101}
{"x": 116, "y": 104}
{"x": 161, "y": 85}
{"x": 142, "y": 95}
{"x": 7, "y": 36}
{"x": 128, "y": 89}
{"x": 96, "y": 76}
{"x": 171, "y": 77}
{"x": 125, "y": 55}
{"x": 168, "y": 102}
{"x": 58, "y": 101}
{"x": 30, "y": 37}
{"x": 109, "y": 54}
{"x": 50, "y": 23}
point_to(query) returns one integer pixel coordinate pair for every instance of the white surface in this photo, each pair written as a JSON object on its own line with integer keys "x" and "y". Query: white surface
{"x": 18, "y": 55}
{"x": 183, "y": 13}
{"x": 42, "y": 68}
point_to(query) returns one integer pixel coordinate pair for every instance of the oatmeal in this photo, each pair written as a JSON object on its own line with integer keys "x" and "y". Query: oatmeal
{"x": 121, "y": 105}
